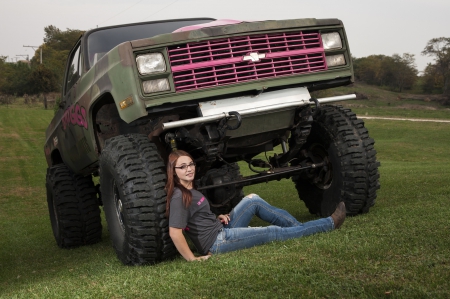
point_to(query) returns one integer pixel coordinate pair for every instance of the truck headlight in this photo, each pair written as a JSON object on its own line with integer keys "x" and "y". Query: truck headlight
{"x": 151, "y": 63}
{"x": 157, "y": 85}
{"x": 335, "y": 60}
{"x": 331, "y": 40}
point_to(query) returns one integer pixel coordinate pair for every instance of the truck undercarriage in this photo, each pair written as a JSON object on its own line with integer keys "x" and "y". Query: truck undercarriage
{"x": 215, "y": 145}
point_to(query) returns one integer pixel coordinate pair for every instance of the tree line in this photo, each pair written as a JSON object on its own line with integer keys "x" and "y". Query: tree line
{"x": 33, "y": 77}
{"x": 400, "y": 73}
{"x": 396, "y": 72}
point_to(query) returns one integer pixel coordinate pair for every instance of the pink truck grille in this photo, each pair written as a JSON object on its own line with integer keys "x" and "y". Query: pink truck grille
{"x": 245, "y": 58}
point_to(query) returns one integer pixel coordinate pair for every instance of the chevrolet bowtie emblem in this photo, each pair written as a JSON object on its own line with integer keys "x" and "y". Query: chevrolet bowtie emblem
{"x": 254, "y": 57}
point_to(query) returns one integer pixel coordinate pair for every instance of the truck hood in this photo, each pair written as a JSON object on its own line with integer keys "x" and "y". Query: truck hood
{"x": 221, "y": 22}
{"x": 229, "y": 27}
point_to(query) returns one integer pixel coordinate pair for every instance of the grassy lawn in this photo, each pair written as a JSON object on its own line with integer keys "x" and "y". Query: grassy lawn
{"x": 400, "y": 249}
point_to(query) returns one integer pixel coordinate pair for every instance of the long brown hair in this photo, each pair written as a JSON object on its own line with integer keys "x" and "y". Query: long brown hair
{"x": 173, "y": 181}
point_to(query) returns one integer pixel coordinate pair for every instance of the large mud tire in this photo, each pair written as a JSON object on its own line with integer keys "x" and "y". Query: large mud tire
{"x": 352, "y": 176}
{"x": 132, "y": 180}
{"x": 73, "y": 207}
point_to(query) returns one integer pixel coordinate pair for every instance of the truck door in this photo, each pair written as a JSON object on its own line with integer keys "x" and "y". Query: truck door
{"x": 73, "y": 122}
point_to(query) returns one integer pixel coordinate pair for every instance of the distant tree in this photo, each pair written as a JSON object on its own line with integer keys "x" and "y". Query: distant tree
{"x": 42, "y": 80}
{"x": 61, "y": 40}
{"x": 405, "y": 71}
{"x": 54, "y": 60}
{"x": 431, "y": 80}
{"x": 439, "y": 49}
{"x": 387, "y": 71}
{"x": 56, "y": 47}
{"x": 368, "y": 69}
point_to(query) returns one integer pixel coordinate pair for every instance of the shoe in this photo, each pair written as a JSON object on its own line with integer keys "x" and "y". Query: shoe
{"x": 339, "y": 215}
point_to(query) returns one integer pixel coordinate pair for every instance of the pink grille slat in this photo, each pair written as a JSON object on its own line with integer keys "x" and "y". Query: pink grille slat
{"x": 227, "y": 45}
{"x": 231, "y": 53}
{"x": 240, "y": 57}
{"x": 214, "y": 76}
{"x": 243, "y": 42}
{"x": 233, "y": 80}
{"x": 226, "y": 80}
{"x": 251, "y": 42}
{"x": 292, "y": 63}
{"x": 208, "y": 75}
{"x": 228, "y": 41}
{"x": 237, "y": 68}
{"x": 221, "y": 62}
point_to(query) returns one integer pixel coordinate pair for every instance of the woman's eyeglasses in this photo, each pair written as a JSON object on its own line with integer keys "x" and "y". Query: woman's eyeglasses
{"x": 185, "y": 166}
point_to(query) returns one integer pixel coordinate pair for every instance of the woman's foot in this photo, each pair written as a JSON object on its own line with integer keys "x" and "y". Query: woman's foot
{"x": 339, "y": 215}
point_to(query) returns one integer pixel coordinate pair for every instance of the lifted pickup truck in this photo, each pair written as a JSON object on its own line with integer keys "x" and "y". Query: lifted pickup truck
{"x": 222, "y": 90}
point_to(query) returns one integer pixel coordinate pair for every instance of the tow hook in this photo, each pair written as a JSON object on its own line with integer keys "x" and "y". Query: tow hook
{"x": 223, "y": 125}
{"x": 317, "y": 103}
{"x": 224, "y": 121}
{"x": 239, "y": 120}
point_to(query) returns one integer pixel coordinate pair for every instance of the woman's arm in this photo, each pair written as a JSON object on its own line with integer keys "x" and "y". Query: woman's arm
{"x": 182, "y": 246}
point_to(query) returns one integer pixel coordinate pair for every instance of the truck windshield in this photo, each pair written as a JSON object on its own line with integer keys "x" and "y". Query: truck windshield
{"x": 102, "y": 41}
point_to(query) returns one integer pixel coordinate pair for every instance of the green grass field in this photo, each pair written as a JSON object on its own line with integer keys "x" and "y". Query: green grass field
{"x": 401, "y": 249}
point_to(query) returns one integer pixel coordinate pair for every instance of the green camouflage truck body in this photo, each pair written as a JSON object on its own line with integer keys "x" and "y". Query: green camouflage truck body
{"x": 72, "y": 135}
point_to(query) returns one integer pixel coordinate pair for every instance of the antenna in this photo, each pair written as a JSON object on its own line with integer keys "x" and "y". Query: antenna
{"x": 24, "y": 55}
{"x": 35, "y": 49}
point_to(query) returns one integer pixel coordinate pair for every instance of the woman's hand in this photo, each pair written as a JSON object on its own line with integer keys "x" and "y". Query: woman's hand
{"x": 224, "y": 218}
{"x": 201, "y": 258}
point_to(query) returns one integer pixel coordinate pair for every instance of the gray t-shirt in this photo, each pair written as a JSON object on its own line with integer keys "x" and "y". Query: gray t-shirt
{"x": 197, "y": 220}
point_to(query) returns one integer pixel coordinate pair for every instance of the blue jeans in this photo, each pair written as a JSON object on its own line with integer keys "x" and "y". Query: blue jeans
{"x": 237, "y": 235}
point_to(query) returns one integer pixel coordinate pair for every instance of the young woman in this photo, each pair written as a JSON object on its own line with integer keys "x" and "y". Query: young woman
{"x": 188, "y": 210}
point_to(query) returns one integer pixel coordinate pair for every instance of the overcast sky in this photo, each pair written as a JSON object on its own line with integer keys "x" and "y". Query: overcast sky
{"x": 373, "y": 27}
